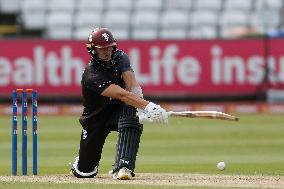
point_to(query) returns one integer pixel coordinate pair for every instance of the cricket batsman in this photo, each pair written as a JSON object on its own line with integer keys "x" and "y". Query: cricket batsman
{"x": 111, "y": 100}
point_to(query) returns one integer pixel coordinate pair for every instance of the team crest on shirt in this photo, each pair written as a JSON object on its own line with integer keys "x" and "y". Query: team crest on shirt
{"x": 106, "y": 36}
{"x": 84, "y": 134}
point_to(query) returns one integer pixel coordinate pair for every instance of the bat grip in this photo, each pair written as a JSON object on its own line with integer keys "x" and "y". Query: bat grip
{"x": 170, "y": 113}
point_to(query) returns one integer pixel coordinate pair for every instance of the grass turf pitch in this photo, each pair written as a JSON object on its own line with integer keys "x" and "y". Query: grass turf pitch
{"x": 252, "y": 146}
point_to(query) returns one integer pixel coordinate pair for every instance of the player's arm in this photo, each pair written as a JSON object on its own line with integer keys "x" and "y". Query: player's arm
{"x": 131, "y": 83}
{"x": 133, "y": 93}
{"x": 154, "y": 112}
{"x": 115, "y": 91}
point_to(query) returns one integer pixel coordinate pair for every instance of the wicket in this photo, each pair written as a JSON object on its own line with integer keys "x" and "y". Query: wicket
{"x": 34, "y": 95}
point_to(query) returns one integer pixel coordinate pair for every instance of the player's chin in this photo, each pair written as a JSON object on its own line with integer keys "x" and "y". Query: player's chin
{"x": 106, "y": 59}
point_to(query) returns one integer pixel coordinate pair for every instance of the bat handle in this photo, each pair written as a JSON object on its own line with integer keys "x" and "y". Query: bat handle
{"x": 170, "y": 113}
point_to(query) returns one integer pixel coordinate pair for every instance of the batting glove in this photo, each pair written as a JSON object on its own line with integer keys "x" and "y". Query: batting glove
{"x": 154, "y": 113}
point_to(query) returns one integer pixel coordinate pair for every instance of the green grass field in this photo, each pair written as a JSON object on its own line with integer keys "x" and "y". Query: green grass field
{"x": 252, "y": 146}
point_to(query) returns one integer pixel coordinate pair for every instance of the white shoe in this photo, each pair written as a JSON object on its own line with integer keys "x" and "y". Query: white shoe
{"x": 122, "y": 174}
{"x": 75, "y": 171}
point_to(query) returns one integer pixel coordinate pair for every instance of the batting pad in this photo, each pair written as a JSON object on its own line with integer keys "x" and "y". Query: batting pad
{"x": 130, "y": 131}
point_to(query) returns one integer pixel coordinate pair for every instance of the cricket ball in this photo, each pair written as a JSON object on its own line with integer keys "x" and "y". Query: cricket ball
{"x": 221, "y": 166}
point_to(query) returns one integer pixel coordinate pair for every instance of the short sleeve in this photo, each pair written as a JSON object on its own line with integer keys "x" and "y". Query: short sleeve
{"x": 124, "y": 64}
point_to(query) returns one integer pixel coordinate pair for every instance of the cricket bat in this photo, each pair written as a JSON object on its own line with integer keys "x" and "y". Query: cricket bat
{"x": 197, "y": 114}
